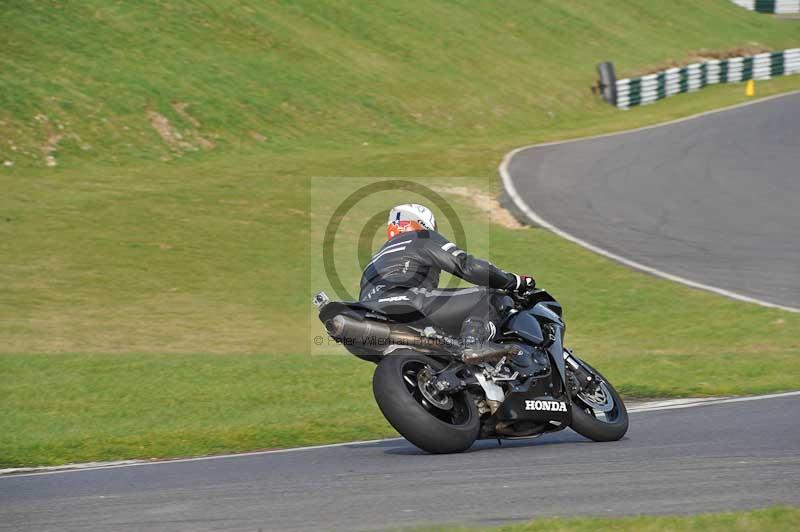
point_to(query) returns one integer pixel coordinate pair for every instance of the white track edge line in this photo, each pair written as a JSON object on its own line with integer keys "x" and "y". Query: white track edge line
{"x": 76, "y": 468}
{"x": 655, "y": 407}
{"x": 95, "y": 466}
{"x": 511, "y": 190}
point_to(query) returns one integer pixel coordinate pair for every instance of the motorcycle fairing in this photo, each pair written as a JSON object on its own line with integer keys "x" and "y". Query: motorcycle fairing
{"x": 532, "y": 400}
{"x": 525, "y": 326}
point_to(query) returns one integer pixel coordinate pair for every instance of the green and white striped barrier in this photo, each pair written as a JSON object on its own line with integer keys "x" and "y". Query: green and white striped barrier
{"x": 653, "y": 87}
{"x": 770, "y": 6}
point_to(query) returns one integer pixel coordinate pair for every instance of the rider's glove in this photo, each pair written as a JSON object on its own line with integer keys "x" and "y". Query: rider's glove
{"x": 524, "y": 283}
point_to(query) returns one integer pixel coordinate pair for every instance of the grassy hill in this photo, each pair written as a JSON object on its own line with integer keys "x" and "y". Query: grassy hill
{"x": 156, "y": 216}
{"x": 118, "y": 82}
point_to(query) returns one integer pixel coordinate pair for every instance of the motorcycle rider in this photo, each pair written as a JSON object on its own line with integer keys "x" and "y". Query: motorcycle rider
{"x": 403, "y": 277}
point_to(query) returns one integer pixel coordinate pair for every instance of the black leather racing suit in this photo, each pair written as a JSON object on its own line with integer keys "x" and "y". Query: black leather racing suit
{"x": 403, "y": 278}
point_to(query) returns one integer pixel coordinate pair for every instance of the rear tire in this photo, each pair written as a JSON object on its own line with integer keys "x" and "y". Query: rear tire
{"x": 432, "y": 429}
{"x": 587, "y": 424}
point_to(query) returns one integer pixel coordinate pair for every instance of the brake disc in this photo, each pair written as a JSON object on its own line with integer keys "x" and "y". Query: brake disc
{"x": 598, "y": 399}
{"x": 437, "y": 399}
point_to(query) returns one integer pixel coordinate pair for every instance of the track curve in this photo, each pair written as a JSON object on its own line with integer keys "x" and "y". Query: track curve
{"x": 712, "y": 200}
{"x": 722, "y": 456}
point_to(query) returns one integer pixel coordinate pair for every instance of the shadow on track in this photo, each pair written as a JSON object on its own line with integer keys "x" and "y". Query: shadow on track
{"x": 406, "y": 449}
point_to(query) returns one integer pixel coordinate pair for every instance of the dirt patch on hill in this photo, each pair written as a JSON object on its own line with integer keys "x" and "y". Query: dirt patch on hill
{"x": 488, "y": 204}
{"x": 49, "y": 147}
{"x": 168, "y": 134}
{"x": 180, "y": 108}
{"x": 701, "y": 55}
{"x": 54, "y": 133}
{"x": 190, "y": 140}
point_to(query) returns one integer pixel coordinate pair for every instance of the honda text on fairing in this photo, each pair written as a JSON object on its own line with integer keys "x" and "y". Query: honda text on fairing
{"x": 442, "y": 397}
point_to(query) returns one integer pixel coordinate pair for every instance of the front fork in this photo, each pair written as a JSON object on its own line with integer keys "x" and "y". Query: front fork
{"x": 582, "y": 377}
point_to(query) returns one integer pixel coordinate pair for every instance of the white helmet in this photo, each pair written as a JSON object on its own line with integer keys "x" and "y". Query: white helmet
{"x": 410, "y": 217}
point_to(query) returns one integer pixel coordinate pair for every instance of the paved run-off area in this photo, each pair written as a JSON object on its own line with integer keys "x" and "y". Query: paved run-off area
{"x": 731, "y": 455}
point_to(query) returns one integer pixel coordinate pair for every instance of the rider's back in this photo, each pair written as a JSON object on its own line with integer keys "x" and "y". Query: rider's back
{"x": 409, "y": 260}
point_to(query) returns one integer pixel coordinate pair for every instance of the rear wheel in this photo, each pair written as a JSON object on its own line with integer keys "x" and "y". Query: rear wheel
{"x": 433, "y": 422}
{"x": 597, "y": 409}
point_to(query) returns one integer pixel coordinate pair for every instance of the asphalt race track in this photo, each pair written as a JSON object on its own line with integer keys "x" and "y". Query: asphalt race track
{"x": 714, "y": 199}
{"x": 707, "y": 458}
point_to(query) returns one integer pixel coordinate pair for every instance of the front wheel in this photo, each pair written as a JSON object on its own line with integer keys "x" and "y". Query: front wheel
{"x": 597, "y": 409}
{"x": 433, "y": 422}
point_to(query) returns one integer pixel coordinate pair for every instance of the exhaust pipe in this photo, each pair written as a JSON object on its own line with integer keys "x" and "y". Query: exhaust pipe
{"x": 344, "y": 327}
{"x": 374, "y": 334}
{"x": 370, "y": 333}
{"x": 494, "y": 356}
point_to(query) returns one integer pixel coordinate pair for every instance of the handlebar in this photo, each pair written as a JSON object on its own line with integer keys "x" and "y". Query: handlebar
{"x": 529, "y": 297}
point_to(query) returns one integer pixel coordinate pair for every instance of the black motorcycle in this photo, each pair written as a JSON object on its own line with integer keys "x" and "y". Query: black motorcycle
{"x": 442, "y": 400}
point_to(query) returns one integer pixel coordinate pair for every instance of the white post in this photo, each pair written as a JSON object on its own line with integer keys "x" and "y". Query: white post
{"x": 673, "y": 81}
{"x": 623, "y": 93}
{"x": 712, "y": 71}
{"x": 761, "y": 66}
{"x": 649, "y": 88}
{"x": 735, "y": 69}
{"x": 693, "y": 76}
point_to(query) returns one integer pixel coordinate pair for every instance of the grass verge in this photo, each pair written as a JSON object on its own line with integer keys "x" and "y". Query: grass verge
{"x": 774, "y": 519}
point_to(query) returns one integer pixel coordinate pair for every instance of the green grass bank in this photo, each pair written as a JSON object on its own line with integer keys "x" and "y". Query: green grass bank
{"x": 154, "y": 282}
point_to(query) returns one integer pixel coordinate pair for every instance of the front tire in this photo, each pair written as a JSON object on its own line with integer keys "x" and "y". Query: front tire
{"x": 585, "y": 420}
{"x": 451, "y": 427}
